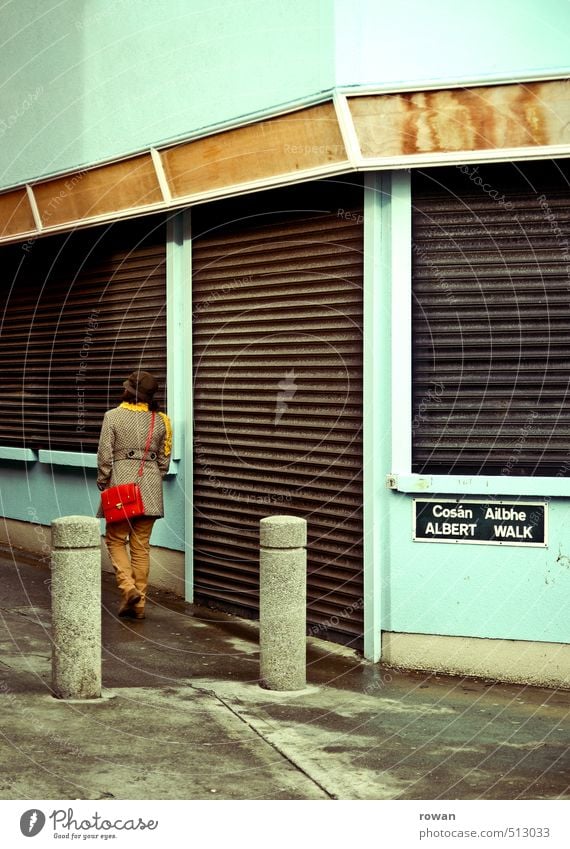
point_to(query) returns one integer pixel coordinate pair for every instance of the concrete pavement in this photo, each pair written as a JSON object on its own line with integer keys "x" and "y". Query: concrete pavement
{"x": 184, "y": 718}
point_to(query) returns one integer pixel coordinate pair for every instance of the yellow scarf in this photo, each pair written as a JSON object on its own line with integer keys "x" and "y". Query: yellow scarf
{"x": 141, "y": 407}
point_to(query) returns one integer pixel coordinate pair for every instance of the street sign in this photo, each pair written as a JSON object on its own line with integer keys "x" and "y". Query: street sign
{"x": 484, "y": 522}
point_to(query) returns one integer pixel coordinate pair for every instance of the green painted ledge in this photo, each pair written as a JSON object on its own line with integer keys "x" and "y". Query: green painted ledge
{"x": 68, "y": 458}
{"x": 479, "y": 485}
{"x": 23, "y": 455}
{"x": 83, "y": 461}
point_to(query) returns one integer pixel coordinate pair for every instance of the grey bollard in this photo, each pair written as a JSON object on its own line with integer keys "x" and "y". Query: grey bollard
{"x": 283, "y": 601}
{"x": 76, "y": 607}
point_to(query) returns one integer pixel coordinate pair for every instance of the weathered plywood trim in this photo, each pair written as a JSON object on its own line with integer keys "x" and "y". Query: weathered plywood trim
{"x": 428, "y": 160}
{"x": 347, "y": 129}
{"x": 16, "y": 214}
{"x": 358, "y": 132}
{"x": 99, "y": 191}
{"x": 300, "y": 141}
{"x": 463, "y": 120}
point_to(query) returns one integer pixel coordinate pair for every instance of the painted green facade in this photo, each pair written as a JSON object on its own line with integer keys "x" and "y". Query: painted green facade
{"x": 409, "y": 42}
{"x": 84, "y": 82}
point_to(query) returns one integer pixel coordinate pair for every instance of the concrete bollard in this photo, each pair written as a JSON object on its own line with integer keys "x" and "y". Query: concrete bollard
{"x": 76, "y": 607}
{"x": 283, "y": 602}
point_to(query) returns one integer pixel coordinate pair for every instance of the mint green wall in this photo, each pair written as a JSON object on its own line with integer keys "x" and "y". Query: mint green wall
{"x": 490, "y": 591}
{"x": 82, "y": 81}
{"x": 39, "y": 492}
{"x": 508, "y": 592}
{"x": 387, "y": 43}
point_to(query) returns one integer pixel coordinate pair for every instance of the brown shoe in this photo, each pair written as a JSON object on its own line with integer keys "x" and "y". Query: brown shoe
{"x": 133, "y": 597}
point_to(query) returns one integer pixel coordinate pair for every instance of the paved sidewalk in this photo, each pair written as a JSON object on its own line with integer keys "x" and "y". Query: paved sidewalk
{"x": 188, "y": 720}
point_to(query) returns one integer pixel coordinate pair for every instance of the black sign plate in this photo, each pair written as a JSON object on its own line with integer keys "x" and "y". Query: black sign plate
{"x": 483, "y": 522}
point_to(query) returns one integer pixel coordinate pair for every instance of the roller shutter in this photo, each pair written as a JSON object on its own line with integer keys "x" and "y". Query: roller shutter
{"x": 278, "y": 408}
{"x": 80, "y": 312}
{"x": 491, "y": 313}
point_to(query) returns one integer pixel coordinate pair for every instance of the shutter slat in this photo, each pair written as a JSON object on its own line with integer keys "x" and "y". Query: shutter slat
{"x": 278, "y": 303}
{"x": 80, "y": 313}
{"x": 491, "y": 323}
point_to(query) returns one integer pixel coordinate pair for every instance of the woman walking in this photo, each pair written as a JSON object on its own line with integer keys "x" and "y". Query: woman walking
{"x": 127, "y": 429}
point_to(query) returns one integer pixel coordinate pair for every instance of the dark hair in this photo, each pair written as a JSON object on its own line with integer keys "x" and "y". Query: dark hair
{"x": 153, "y": 405}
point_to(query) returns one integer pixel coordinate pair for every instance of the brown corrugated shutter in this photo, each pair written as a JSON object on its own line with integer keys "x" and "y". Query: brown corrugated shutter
{"x": 491, "y": 311}
{"x": 80, "y": 313}
{"x": 278, "y": 407}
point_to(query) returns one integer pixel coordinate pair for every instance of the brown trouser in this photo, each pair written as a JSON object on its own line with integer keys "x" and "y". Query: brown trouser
{"x": 131, "y": 571}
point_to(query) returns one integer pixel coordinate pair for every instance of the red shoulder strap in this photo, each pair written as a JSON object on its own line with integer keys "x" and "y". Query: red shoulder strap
{"x": 147, "y": 446}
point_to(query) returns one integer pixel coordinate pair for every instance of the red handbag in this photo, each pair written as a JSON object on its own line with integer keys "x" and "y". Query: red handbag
{"x": 124, "y": 501}
{"x": 121, "y": 502}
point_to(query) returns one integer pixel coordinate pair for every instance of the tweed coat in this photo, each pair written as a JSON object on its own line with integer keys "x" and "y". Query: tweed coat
{"x": 126, "y": 430}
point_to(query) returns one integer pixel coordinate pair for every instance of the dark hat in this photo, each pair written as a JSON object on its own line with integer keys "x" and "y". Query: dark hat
{"x": 141, "y": 384}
